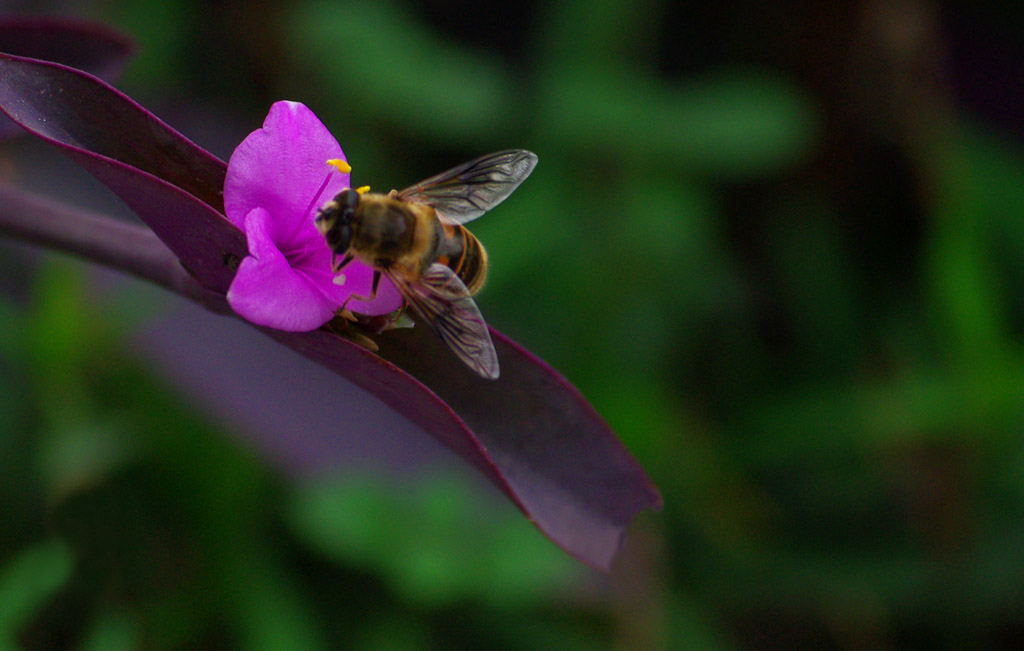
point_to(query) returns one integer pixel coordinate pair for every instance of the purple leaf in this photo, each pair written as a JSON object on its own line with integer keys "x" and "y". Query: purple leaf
{"x": 400, "y": 391}
{"x": 529, "y": 432}
{"x": 570, "y": 472}
{"x": 174, "y": 185}
{"x": 79, "y": 44}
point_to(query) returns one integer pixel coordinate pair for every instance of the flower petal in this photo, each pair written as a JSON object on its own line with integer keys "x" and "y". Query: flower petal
{"x": 267, "y": 291}
{"x": 282, "y": 167}
{"x": 312, "y": 256}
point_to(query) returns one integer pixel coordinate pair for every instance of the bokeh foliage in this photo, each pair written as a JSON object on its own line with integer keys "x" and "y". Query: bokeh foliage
{"x": 775, "y": 252}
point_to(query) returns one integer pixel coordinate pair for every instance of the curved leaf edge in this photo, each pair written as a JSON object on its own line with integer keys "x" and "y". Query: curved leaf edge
{"x": 103, "y": 87}
{"x": 655, "y": 503}
{"x": 368, "y": 380}
{"x": 112, "y": 49}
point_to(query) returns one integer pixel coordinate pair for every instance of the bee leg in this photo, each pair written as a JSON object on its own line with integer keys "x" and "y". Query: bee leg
{"x": 338, "y": 266}
{"x": 373, "y": 290}
{"x": 376, "y": 282}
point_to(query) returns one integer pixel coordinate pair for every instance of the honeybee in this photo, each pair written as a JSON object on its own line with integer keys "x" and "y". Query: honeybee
{"x": 417, "y": 239}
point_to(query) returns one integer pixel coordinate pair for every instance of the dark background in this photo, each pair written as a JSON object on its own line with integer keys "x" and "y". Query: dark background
{"x": 779, "y": 248}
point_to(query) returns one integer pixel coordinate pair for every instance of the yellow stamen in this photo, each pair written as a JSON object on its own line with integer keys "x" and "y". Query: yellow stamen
{"x": 363, "y": 190}
{"x": 340, "y": 165}
{"x": 339, "y": 279}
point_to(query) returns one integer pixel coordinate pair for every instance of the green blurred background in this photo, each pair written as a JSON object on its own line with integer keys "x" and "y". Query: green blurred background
{"x": 780, "y": 249}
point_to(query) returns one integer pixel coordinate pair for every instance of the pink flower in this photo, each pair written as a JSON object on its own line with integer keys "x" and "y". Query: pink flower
{"x": 276, "y": 180}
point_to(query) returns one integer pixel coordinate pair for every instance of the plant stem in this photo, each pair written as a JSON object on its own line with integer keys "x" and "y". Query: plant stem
{"x": 113, "y": 243}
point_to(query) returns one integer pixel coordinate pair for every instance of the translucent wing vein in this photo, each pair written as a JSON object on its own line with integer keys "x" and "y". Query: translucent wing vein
{"x": 467, "y": 191}
{"x": 443, "y": 301}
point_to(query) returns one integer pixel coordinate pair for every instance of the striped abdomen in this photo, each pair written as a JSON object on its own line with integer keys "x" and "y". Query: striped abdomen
{"x": 462, "y": 253}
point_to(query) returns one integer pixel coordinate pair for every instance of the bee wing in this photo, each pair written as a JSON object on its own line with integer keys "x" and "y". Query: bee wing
{"x": 465, "y": 192}
{"x": 444, "y": 302}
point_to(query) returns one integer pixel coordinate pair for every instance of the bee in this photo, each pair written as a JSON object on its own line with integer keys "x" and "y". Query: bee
{"x": 417, "y": 239}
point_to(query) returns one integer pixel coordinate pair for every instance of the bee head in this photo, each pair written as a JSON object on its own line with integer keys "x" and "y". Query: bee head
{"x": 334, "y": 220}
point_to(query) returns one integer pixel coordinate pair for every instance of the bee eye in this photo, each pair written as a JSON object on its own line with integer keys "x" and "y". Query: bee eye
{"x": 339, "y": 238}
{"x": 348, "y": 199}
